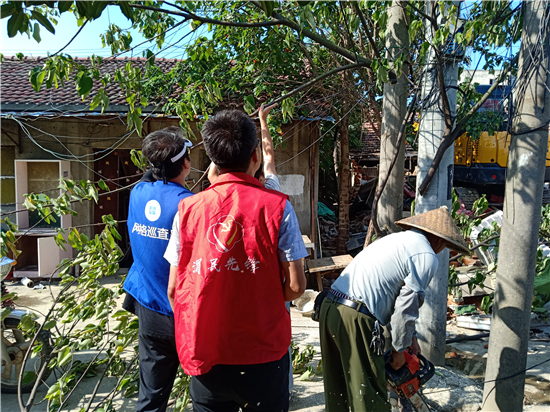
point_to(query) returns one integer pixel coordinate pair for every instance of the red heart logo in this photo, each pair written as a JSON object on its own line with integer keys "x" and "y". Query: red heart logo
{"x": 225, "y": 233}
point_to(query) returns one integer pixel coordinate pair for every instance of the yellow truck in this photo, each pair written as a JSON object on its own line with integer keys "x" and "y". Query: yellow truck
{"x": 482, "y": 163}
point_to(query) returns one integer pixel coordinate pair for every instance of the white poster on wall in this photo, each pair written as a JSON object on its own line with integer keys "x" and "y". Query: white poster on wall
{"x": 292, "y": 185}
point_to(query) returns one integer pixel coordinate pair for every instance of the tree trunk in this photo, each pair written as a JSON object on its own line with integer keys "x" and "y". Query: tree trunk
{"x": 344, "y": 186}
{"x": 336, "y": 156}
{"x": 432, "y": 322}
{"x": 394, "y": 110}
{"x": 505, "y": 375}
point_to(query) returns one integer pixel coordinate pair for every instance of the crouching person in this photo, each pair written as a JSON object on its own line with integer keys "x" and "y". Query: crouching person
{"x": 153, "y": 204}
{"x": 240, "y": 259}
{"x": 384, "y": 282}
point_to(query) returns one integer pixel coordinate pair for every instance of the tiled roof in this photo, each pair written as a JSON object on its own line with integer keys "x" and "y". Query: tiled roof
{"x": 17, "y": 92}
{"x": 370, "y": 144}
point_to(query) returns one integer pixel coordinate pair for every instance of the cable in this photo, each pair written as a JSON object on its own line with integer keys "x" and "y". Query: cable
{"x": 323, "y": 135}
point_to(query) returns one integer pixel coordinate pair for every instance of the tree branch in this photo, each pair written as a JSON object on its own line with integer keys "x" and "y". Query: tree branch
{"x": 373, "y": 219}
{"x": 427, "y": 17}
{"x": 319, "y": 39}
{"x": 449, "y": 139}
{"x": 279, "y": 19}
{"x": 311, "y": 82}
{"x": 366, "y": 28}
{"x": 70, "y": 41}
{"x": 189, "y": 15}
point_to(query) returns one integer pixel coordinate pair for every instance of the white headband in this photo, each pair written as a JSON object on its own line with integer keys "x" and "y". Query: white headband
{"x": 186, "y": 144}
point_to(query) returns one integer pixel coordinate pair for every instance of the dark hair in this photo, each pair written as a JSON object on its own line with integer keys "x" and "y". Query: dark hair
{"x": 160, "y": 147}
{"x": 230, "y": 140}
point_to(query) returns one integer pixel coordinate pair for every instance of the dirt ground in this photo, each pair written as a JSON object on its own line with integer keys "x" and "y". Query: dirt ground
{"x": 455, "y": 387}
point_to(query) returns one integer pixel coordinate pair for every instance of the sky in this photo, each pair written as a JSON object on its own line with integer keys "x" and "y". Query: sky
{"x": 86, "y": 43}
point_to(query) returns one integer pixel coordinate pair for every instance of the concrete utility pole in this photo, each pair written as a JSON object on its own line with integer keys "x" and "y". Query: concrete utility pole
{"x": 432, "y": 323}
{"x": 505, "y": 375}
{"x": 394, "y": 109}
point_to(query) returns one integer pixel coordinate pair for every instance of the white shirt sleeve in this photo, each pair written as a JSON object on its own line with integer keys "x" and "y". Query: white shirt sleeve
{"x": 172, "y": 253}
{"x": 422, "y": 268}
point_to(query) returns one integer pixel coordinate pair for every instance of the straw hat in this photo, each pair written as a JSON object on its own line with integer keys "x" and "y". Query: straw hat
{"x": 438, "y": 222}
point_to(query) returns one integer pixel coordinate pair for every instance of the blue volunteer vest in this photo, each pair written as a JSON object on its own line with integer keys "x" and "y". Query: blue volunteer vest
{"x": 153, "y": 206}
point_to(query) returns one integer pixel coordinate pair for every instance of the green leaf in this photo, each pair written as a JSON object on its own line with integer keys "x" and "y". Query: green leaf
{"x": 82, "y": 8}
{"x": 29, "y": 205}
{"x": 63, "y": 6}
{"x": 542, "y": 283}
{"x": 49, "y": 324}
{"x": 95, "y": 102}
{"x": 64, "y": 357}
{"x": 249, "y": 104}
{"x": 92, "y": 192}
{"x": 43, "y": 20}
{"x": 5, "y": 312}
{"x": 126, "y": 10}
{"x": 26, "y": 323}
{"x": 9, "y": 296}
{"x": 28, "y": 377}
{"x": 307, "y": 374}
{"x": 36, "y": 33}
{"x": 85, "y": 85}
{"x": 6, "y": 10}
{"x": 96, "y": 8}
{"x": 15, "y": 22}
{"x": 268, "y": 6}
{"x": 309, "y": 17}
{"x": 52, "y": 392}
{"x": 102, "y": 185}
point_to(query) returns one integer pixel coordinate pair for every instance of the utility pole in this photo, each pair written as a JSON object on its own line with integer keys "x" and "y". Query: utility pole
{"x": 505, "y": 374}
{"x": 394, "y": 109}
{"x": 432, "y": 323}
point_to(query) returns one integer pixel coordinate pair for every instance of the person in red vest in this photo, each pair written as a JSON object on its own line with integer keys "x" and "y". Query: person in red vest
{"x": 240, "y": 259}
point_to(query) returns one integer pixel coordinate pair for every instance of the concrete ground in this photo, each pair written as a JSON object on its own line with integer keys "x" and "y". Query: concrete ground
{"x": 456, "y": 387}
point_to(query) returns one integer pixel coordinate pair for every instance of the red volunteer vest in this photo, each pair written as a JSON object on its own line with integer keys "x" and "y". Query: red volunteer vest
{"x": 229, "y": 303}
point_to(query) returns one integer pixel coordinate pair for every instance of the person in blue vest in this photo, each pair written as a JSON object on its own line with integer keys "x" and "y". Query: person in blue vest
{"x": 153, "y": 205}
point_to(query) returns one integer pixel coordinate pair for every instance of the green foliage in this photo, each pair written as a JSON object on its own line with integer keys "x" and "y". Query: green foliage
{"x": 84, "y": 315}
{"x": 464, "y": 222}
{"x": 233, "y": 65}
{"x": 542, "y": 281}
{"x": 300, "y": 359}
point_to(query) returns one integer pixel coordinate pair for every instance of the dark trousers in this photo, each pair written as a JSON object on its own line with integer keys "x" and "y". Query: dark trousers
{"x": 226, "y": 388}
{"x": 354, "y": 376}
{"x": 158, "y": 357}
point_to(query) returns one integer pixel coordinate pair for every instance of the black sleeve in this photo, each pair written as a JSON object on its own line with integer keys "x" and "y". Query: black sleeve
{"x": 148, "y": 177}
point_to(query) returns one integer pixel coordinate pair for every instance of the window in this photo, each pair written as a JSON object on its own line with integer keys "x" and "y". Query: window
{"x": 39, "y": 176}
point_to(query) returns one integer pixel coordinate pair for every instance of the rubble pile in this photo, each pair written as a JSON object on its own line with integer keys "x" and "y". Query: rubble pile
{"x": 357, "y": 232}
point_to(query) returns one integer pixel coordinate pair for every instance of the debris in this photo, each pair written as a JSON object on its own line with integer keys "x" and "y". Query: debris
{"x": 452, "y": 391}
{"x": 477, "y": 322}
{"x": 471, "y": 261}
{"x": 487, "y": 256}
{"x": 357, "y": 240}
{"x": 324, "y": 212}
{"x": 27, "y": 282}
{"x": 39, "y": 286}
{"x": 465, "y": 310}
{"x": 467, "y": 337}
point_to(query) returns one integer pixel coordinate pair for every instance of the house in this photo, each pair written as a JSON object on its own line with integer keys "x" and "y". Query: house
{"x": 52, "y": 134}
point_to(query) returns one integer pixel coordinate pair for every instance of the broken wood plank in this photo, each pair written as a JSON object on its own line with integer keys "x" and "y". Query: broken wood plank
{"x": 307, "y": 242}
{"x": 329, "y": 264}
